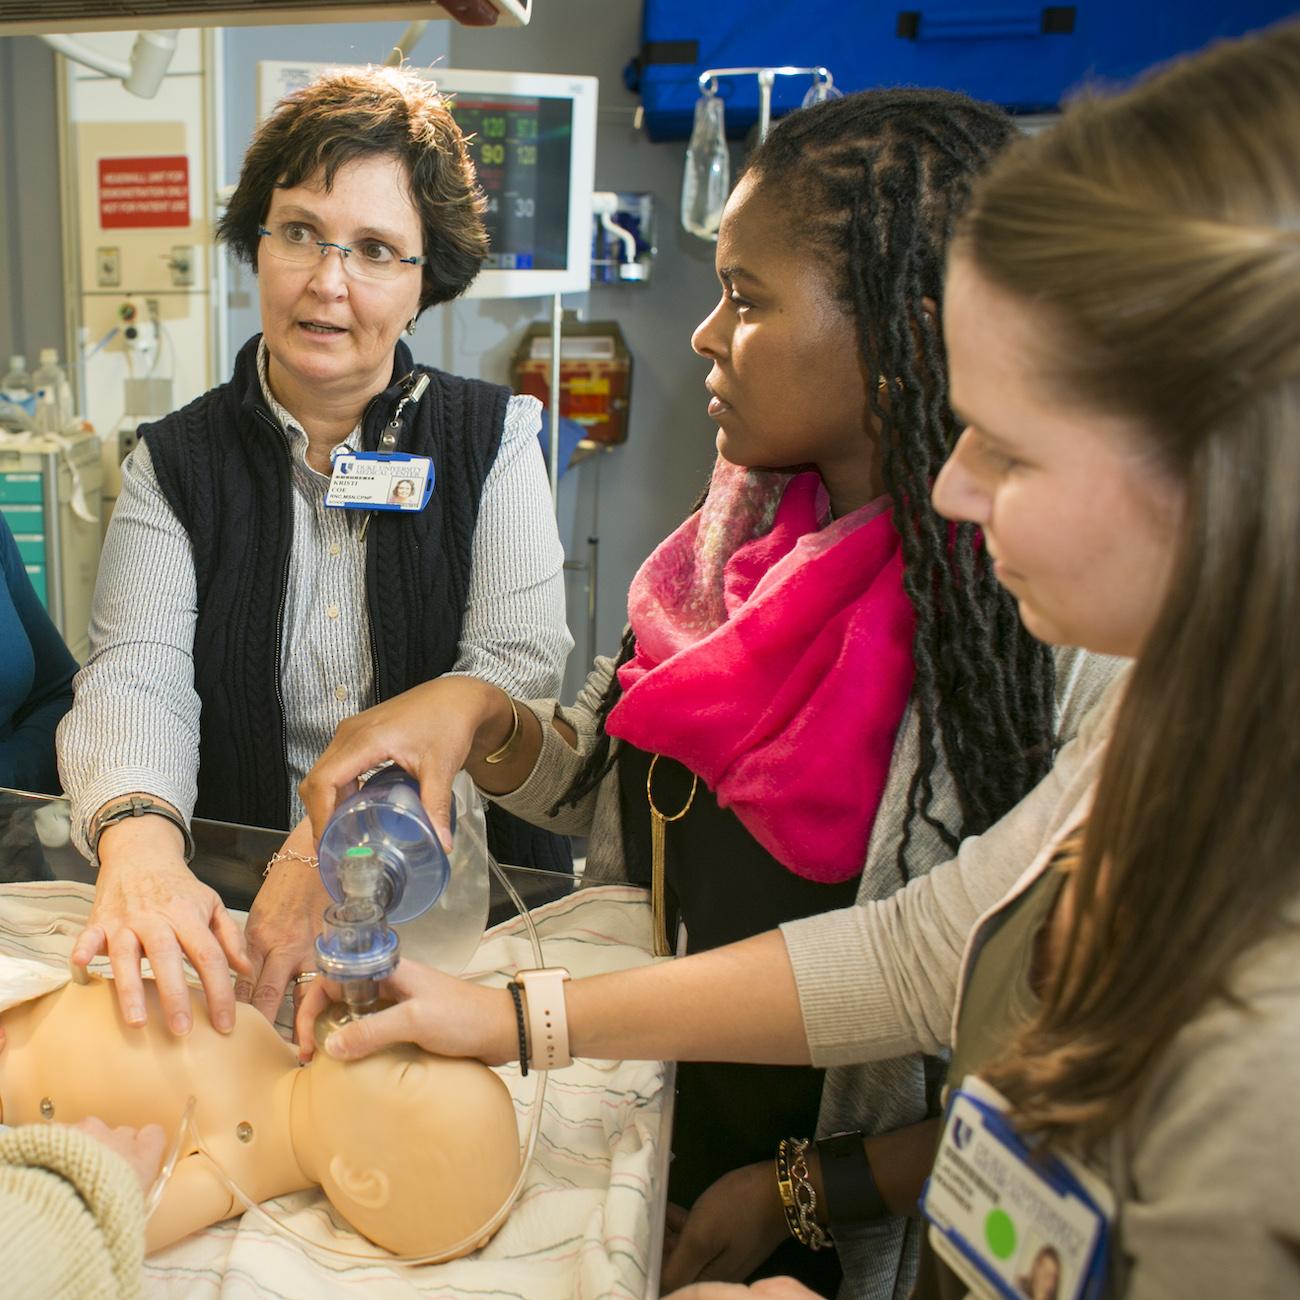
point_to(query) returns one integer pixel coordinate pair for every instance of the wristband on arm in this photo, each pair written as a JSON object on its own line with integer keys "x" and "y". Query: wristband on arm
{"x": 848, "y": 1185}
{"x": 135, "y": 805}
{"x": 548, "y": 1025}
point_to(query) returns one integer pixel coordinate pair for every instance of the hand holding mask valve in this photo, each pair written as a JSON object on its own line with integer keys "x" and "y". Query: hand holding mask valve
{"x": 382, "y": 864}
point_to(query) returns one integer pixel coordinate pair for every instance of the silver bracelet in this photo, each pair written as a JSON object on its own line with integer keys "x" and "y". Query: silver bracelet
{"x": 288, "y": 855}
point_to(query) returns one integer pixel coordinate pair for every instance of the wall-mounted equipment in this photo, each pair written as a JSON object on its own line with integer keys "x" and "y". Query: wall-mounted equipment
{"x": 595, "y": 377}
{"x": 142, "y": 74}
{"x": 623, "y": 237}
{"x": 535, "y": 151}
{"x": 33, "y": 17}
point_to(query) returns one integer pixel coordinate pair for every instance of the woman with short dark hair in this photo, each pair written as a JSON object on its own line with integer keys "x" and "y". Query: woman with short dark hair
{"x": 239, "y": 616}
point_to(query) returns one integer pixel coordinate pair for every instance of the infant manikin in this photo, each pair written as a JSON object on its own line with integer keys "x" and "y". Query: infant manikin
{"x": 417, "y": 1152}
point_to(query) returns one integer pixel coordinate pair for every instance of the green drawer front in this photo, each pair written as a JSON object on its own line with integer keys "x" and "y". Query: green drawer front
{"x": 31, "y": 546}
{"x": 36, "y": 572}
{"x": 21, "y": 489}
{"x": 24, "y": 519}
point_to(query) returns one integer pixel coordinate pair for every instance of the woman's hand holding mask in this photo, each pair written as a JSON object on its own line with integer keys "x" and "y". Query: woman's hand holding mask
{"x": 432, "y": 731}
{"x": 438, "y": 1012}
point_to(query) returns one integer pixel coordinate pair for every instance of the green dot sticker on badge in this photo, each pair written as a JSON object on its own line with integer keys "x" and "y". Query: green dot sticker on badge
{"x": 1000, "y": 1233}
{"x": 995, "y": 1205}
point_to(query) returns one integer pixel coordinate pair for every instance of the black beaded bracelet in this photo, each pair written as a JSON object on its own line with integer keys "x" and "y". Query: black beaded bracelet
{"x": 518, "y": 994}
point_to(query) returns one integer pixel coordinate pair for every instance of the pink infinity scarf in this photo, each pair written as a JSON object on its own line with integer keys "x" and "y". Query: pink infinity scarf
{"x": 775, "y": 663}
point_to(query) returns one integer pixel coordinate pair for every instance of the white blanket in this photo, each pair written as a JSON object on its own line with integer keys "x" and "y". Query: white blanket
{"x": 582, "y": 1225}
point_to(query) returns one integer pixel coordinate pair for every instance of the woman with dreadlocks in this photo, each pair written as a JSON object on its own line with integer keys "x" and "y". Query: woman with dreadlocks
{"x": 819, "y": 673}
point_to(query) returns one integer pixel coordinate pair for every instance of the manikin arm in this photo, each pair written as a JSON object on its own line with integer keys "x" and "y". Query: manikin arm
{"x": 194, "y": 1197}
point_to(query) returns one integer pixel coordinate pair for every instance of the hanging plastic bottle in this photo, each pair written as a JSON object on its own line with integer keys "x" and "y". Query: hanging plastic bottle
{"x": 823, "y": 88}
{"x": 386, "y": 816}
{"x": 707, "y": 180}
{"x": 53, "y": 395}
{"x": 16, "y": 386}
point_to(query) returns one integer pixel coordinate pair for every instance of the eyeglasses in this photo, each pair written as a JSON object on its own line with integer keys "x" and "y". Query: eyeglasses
{"x": 291, "y": 241}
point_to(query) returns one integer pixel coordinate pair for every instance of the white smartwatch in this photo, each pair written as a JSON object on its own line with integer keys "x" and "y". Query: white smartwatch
{"x": 548, "y": 1025}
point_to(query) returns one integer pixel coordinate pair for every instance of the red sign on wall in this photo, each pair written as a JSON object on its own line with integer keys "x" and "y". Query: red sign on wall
{"x": 140, "y": 192}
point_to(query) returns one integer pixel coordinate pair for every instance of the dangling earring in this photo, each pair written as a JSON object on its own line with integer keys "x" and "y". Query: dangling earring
{"x": 410, "y": 324}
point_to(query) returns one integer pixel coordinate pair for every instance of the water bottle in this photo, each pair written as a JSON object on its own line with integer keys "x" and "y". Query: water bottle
{"x": 386, "y": 816}
{"x": 53, "y": 395}
{"x": 16, "y": 386}
{"x": 707, "y": 180}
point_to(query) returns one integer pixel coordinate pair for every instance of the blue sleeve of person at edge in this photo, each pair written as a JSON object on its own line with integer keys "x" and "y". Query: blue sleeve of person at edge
{"x": 36, "y": 671}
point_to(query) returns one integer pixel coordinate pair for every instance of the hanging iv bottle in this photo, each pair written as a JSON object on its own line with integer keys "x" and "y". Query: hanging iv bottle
{"x": 822, "y": 89}
{"x": 707, "y": 180}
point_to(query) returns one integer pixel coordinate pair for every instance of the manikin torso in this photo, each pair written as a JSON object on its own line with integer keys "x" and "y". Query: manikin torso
{"x": 415, "y": 1151}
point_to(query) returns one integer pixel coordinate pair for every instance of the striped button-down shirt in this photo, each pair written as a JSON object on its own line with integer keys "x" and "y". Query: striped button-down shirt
{"x": 134, "y": 724}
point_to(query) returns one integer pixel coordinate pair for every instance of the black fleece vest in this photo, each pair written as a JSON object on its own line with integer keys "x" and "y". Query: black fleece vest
{"x": 222, "y": 462}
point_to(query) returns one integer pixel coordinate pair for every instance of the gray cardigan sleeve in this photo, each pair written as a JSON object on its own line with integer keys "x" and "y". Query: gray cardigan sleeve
{"x": 71, "y": 1216}
{"x": 596, "y": 814}
{"x": 879, "y": 980}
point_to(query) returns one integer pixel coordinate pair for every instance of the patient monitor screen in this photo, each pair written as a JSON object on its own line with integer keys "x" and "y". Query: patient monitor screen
{"x": 522, "y": 146}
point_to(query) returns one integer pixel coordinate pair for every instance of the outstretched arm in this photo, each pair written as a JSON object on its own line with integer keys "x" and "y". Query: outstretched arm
{"x": 134, "y": 729}
{"x": 737, "y": 1003}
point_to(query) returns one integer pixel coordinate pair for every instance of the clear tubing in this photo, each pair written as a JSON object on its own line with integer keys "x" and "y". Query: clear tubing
{"x": 462, "y": 1247}
{"x": 173, "y": 1155}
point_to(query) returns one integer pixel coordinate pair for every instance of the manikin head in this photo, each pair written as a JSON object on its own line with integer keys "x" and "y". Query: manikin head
{"x": 417, "y": 1152}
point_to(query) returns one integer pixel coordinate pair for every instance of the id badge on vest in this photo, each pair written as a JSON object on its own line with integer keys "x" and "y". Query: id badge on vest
{"x": 379, "y": 480}
{"x": 1011, "y": 1224}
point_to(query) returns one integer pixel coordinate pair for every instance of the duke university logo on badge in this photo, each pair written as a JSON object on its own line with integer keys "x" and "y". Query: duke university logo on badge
{"x": 1010, "y": 1223}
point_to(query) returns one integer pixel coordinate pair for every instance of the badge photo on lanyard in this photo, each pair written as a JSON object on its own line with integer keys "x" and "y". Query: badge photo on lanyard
{"x": 1013, "y": 1224}
{"x": 379, "y": 480}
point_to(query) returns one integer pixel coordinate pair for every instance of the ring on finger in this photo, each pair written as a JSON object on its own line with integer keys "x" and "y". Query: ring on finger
{"x": 306, "y": 976}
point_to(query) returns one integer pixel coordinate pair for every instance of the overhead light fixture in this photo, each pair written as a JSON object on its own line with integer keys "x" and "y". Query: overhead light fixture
{"x": 151, "y": 56}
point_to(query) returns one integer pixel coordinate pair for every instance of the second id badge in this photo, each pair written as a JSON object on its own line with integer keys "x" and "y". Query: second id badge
{"x": 1011, "y": 1223}
{"x": 379, "y": 480}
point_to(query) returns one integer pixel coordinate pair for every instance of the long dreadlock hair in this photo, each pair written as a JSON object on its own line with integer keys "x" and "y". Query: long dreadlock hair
{"x": 874, "y": 184}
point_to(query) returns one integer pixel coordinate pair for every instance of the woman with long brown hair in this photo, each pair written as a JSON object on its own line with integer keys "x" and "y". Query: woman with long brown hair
{"x": 1122, "y": 315}
{"x": 1126, "y": 290}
